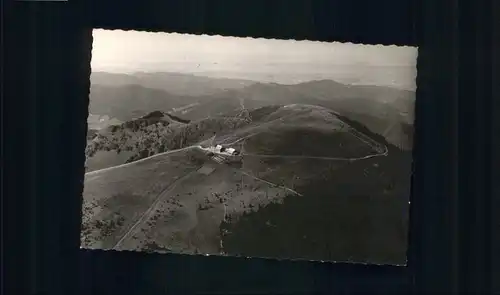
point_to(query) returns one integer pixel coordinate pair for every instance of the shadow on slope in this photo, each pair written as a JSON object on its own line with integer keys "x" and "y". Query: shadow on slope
{"x": 356, "y": 213}
{"x": 306, "y": 142}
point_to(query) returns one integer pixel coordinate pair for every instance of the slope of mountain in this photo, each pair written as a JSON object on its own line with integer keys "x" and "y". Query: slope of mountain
{"x": 157, "y": 132}
{"x": 357, "y": 212}
{"x": 116, "y": 144}
{"x": 154, "y": 133}
{"x": 384, "y": 110}
{"x": 174, "y": 83}
{"x": 176, "y": 201}
{"x": 131, "y": 101}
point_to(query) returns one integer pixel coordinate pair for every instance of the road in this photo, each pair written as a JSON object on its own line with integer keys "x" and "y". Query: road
{"x": 372, "y": 143}
{"x": 380, "y": 148}
{"x": 148, "y": 213}
{"x": 383, "y": 150}
{"x": 312, "y": 157}
{"x": 141, "y": 160}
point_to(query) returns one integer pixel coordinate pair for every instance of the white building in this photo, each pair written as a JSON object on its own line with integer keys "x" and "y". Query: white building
{"x": 219, "y": 149}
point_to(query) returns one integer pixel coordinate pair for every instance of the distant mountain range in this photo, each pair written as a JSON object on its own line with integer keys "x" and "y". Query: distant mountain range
{"x": 174, "y": 83}
{"x": 124, "y": 97}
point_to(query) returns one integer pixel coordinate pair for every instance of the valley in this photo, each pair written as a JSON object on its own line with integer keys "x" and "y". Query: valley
{"x": 320, "y": 169}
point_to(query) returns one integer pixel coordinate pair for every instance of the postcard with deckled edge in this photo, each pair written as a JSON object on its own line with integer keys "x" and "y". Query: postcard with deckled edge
{"x": 218, "y": 145}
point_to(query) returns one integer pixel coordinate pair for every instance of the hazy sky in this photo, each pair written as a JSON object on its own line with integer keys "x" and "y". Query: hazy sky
{"x": 281, "y": 61}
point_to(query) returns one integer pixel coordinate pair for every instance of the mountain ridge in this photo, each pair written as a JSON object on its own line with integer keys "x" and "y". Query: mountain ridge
{"x": 174, "y": 83}
{"x": 193, "y": 192}
{"x": 384, "y": 110}
{"x": 157, "y": 132}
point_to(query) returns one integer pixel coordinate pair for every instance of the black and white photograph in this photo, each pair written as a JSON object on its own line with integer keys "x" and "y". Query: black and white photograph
{"x": 249, "y": 147}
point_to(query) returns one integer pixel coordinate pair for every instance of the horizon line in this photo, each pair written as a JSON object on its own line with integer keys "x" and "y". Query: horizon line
{"x": 413, "y": 89}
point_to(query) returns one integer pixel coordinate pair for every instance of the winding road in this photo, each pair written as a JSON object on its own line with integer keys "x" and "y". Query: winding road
{"x": 148, "y": 213}
{"x": 382, "y": 150}
{"x": 91, "y": 173}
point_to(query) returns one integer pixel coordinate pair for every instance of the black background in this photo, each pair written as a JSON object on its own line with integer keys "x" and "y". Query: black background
{"x": 45, "y": 100}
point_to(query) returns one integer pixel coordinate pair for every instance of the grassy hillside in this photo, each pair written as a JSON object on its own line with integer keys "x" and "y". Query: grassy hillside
{"x": 116, "y": 198}
{"x": 289, "y": 204}
{"x": 155, "y": 133}
{"x": 276, "y": 126}
{"x": 355, "y": 212}
{"x": 347, "y": 210}
{"x": 306, "y": 141}
{"x": 383, "y": 110}
{"x": 175, "y": 202}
